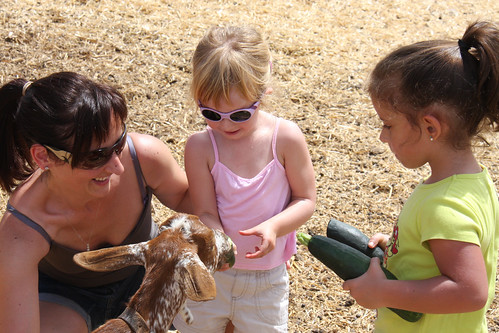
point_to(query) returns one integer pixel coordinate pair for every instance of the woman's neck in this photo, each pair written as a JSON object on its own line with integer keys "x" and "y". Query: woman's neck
{"x": 66, "y": 198}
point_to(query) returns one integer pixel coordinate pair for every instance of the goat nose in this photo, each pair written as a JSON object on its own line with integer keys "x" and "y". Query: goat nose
{"x": 230, "y": 257}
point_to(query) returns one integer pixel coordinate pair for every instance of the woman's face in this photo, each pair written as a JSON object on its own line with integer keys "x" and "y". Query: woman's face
{"x": 96, "y": 182}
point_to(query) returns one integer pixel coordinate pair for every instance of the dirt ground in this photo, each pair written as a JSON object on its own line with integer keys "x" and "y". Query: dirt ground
{"x": 322, "y": 53}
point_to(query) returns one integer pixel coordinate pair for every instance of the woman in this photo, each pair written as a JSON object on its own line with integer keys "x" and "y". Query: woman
{"x": 77, "y": 181}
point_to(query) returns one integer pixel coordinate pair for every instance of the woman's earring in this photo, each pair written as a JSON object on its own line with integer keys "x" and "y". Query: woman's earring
{"x": 46, "y": 168}
{"x": 431, "y": 138}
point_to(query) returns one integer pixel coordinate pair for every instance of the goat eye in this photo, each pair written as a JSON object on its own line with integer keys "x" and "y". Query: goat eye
{"x": 186, "y": 232}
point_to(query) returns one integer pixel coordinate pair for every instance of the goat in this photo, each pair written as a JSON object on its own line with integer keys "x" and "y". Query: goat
{"x": 179, "y": 264}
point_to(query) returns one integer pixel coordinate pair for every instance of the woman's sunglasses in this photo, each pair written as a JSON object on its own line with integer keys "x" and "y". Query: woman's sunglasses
{"x": 237, "y": 116}
{"x": 93, "y": 159}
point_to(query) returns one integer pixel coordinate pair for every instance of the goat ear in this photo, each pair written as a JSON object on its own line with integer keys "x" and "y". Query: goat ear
{"x": 111, "y": 259}
{"x": 199, "y": 283}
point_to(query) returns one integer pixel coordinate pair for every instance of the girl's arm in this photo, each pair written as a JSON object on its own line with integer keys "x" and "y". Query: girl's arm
{"x": 201, "y": 185}
{"x": 21, "y": 249}
{"x": 461, "y": 287}
{"x": 293, "y": 153}
{"x": 162, "y": 172}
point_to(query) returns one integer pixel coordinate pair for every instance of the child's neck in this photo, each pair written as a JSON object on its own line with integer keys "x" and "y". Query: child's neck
{"x": 247, "y": 156}
{"x": 460, "y": 162}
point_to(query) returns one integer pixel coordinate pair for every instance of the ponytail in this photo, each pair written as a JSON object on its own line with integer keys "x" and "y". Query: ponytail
{"x": 15, "y": 160}
{"x": 480, "y": 44}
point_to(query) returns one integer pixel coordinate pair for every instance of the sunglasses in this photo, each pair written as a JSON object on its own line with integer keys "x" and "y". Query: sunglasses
{"x": 237, "y": 116}
{"x": 93, "y": 159}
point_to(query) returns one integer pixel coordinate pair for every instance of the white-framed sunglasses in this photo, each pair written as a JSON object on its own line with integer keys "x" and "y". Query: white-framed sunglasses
{"x": 237, "y": 116}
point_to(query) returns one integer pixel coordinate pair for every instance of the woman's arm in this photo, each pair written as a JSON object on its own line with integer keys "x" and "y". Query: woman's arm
{"x": 461, "y": 287}
{"x": 162, "y": 172}
{"x": 21, "y": 249}
{"x": 293, "y": 153}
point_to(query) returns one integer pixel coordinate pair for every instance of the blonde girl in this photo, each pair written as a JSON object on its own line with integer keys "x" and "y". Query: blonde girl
{"x": 250, "y": 175}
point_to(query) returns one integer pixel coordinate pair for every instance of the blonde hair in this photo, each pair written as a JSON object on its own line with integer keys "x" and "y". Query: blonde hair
{"x": 228, "y": 57}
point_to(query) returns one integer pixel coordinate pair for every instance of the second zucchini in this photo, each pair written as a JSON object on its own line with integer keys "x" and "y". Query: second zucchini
{"x": 347, "y": 262}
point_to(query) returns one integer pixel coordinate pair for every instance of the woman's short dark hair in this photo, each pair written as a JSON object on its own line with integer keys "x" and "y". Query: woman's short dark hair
{"x": 64, "y": 110}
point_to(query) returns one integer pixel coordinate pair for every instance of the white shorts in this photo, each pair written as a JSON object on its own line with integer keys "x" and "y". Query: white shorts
{"x": 255, "y": 301}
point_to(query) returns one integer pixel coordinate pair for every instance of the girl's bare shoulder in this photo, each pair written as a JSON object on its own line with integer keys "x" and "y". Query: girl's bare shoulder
{"x": 198, "y": 140}
{"x": 289, "y": 132}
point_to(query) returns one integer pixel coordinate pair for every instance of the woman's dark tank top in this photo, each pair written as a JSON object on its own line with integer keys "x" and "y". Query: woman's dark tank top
{"x": 58, "y": 263}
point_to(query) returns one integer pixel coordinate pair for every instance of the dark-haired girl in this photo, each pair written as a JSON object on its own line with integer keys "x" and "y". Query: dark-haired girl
{"x": 434, "y": 98}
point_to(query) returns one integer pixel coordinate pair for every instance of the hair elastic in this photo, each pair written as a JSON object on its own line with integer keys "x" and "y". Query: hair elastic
{"x": 463, "y": 45}
{"x": 466, "y": 52}
{"x": 26, "y": 86}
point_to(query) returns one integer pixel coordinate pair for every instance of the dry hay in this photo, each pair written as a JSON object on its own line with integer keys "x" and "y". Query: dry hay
{"x": 322, "y": 51}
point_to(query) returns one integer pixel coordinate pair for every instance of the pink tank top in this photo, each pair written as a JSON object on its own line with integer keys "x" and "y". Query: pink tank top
{"x": 244, "y": 203}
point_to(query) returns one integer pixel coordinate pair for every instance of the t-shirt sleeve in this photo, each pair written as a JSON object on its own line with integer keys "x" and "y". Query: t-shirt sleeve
{"x": 451, "y": 219}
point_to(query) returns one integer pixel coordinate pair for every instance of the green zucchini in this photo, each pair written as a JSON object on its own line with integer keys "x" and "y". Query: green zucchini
{"x": 348, "y": 234}
{"x": 347, "y": 262}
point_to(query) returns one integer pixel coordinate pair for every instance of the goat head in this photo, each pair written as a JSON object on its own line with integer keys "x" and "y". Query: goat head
{"x": 179, "y": 264}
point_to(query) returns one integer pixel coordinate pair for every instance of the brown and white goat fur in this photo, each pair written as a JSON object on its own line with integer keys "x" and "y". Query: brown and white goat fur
{"x": 179, "y": 264}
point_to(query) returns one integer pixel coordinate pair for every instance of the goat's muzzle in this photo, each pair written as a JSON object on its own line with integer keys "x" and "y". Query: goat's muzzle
{"x": 230, "y": 256}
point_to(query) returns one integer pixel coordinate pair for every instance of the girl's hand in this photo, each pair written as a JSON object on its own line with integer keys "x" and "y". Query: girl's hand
{"x": 378, "y": 239}
{"x": 364, "y": 288}
{"x": 267, "y": 244}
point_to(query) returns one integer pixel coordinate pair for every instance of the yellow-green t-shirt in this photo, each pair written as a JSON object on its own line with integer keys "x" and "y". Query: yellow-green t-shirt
{"x": 461, "y": 208}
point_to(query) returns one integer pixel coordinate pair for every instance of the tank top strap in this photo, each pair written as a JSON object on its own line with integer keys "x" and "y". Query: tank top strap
{"x": 29, "y": 222}
{"x": 213, "y": 142}
{"x": 274, "y": 139}
{"x": 138, "y": 169}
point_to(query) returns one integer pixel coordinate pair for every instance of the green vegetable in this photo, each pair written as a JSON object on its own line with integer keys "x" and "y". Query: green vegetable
{"x": 347, "y": 262}
{"x": 349, "y": 235}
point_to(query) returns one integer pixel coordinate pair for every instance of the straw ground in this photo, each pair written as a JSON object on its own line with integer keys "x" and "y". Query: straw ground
{"x": 322, "y": 53}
